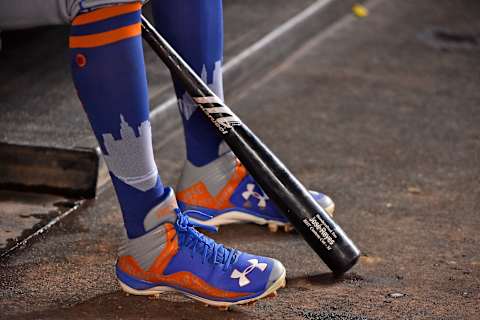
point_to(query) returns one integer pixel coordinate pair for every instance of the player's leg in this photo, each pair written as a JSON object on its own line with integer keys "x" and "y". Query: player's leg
{"x": 164, "y": 252}
{"x": 195, "y": 29}
{"x": 109, "y": 75}
{"x": 212, "y": 180}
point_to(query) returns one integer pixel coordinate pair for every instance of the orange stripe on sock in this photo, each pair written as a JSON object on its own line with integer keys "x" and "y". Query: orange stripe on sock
{"x": 105, "y": 13}
{"x": 104, "y": 38}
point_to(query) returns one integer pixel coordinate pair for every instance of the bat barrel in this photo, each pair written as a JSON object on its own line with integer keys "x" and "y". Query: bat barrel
{"x": 319, "y": 230}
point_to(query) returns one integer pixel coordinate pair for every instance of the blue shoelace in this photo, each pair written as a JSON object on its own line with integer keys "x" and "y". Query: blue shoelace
{"x": 211, "y": 251}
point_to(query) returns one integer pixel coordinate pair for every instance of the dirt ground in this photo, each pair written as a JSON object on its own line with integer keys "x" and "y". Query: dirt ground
{"x": 381, "y": 113}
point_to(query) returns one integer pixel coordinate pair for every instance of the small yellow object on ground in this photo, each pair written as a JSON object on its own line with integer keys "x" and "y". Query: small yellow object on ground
{"x": 360, "y": 11}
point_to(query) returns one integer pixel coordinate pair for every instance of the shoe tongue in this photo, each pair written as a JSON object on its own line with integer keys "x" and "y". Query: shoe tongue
{"x": 163, "y": 212}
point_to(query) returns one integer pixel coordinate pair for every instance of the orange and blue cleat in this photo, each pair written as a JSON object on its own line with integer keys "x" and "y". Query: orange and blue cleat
{"x": 224, "y": 190}
{"x": 174, "y": 256}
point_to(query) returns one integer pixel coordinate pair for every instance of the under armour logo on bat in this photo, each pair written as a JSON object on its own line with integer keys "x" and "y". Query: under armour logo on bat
{"x": 262, "y": 199}
{"x": 242, "y": 276}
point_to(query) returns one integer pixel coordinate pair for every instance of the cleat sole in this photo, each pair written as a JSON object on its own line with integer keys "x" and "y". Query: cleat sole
{"x": 222, "y": 305}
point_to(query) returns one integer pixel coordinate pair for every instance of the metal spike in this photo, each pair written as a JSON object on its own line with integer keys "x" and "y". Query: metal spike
{"x": 154, "y": 296}
{"x": 249, "y": 303}
{"x": 273, "y": 227}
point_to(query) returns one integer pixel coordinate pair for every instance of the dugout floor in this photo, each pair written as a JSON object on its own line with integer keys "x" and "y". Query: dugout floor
{"x": 382, "y": 113}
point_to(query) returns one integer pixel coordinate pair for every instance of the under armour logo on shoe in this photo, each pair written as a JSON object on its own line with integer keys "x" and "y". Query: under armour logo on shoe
{"x": 262, "y": 199}
{"x": 242, "y": 276}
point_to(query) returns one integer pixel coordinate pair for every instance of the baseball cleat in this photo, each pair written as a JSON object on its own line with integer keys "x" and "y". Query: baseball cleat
{"x": 174, "y": 257}
{"x": 224, "y": 190}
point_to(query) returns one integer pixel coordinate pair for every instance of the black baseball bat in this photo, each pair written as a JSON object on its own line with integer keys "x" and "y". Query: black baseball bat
{"x": 325, "y": 236}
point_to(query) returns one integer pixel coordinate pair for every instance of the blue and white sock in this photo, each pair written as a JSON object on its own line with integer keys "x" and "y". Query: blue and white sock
{"x": 109, "y": 74}
{"x": 195, "y": 31}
